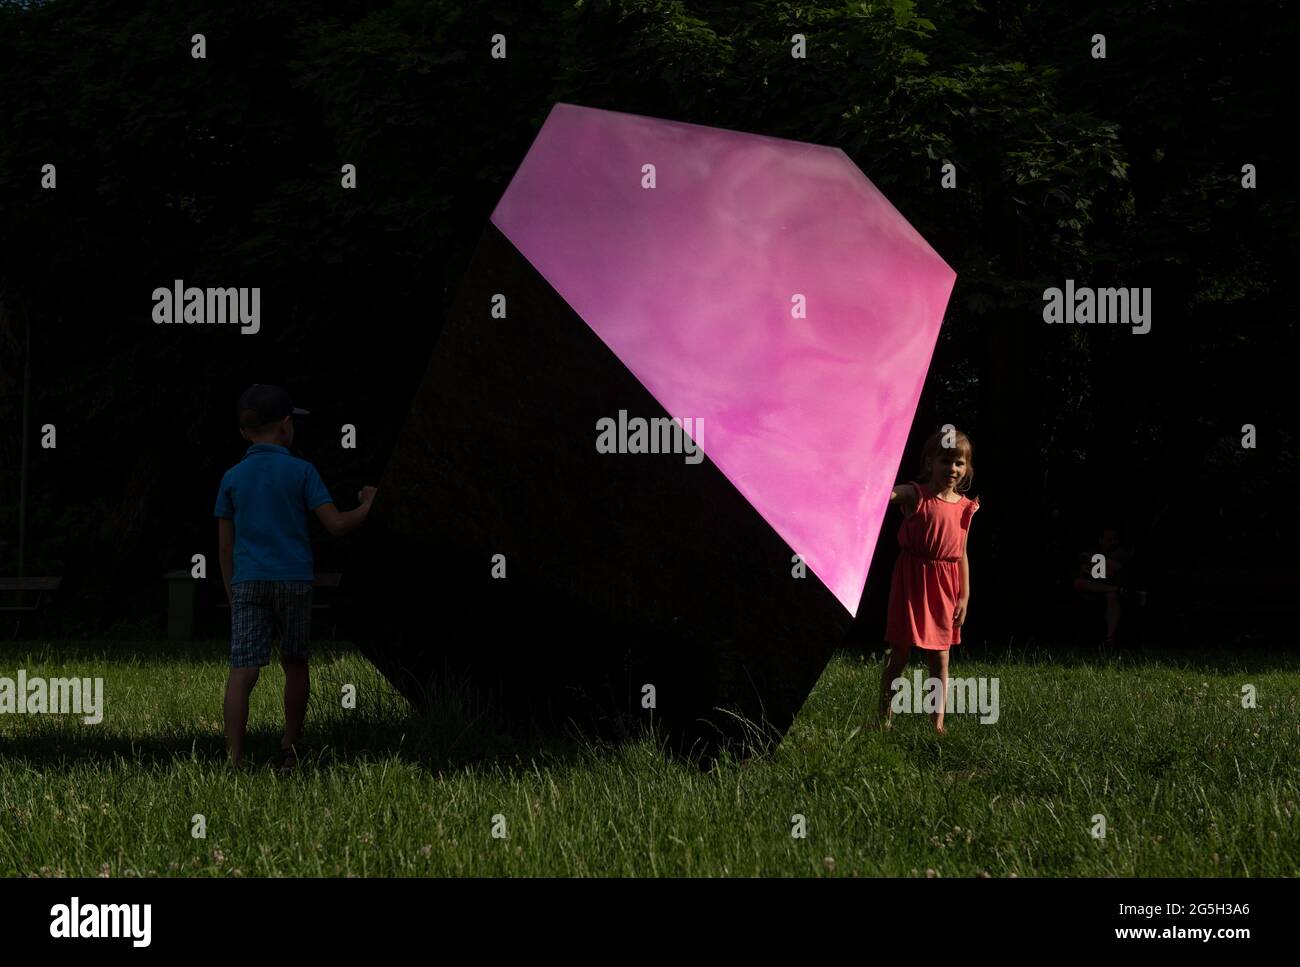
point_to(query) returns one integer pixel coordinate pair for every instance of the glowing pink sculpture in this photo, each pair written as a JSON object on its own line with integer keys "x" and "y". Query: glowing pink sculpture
{"x": 758, "y": 288}
{"x": 762, "y": 285}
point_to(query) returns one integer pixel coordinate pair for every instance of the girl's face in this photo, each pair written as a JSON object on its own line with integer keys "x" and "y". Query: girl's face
{"x": 949, "y": 468}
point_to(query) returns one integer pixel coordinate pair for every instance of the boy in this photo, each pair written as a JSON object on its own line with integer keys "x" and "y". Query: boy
{"x": 266, "y": 560}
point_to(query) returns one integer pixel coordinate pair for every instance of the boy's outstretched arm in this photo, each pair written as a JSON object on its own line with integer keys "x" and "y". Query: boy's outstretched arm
{"x": 338, "y": 523}
{"x": 226, "y": 550}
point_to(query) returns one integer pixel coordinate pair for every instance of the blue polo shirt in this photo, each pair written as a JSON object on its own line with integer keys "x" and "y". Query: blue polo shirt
{"x": 268, "y": 495}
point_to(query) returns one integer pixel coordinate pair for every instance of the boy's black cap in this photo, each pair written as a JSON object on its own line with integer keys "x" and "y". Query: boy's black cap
{"x": 269, "y": 403}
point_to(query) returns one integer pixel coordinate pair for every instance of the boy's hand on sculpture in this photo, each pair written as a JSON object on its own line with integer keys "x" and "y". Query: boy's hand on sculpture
{"x": 339, "y": 524}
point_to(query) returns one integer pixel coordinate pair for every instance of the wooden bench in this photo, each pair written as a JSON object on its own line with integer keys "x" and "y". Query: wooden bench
{"x": 21, "y": 587}
{"x": 1276, "y": 590}
{"x": 1241, "y": 602}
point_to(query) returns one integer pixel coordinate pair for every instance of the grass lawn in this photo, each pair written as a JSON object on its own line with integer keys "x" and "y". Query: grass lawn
{"x": 1189, "y": 782}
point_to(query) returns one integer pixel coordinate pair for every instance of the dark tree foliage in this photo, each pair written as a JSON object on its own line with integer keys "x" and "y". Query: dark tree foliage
{"x": 225, "y": 171}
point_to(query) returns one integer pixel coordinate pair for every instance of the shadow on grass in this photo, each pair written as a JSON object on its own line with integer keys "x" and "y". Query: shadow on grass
{"x": 452, "y": 729}
{"x": 457, "y": 734}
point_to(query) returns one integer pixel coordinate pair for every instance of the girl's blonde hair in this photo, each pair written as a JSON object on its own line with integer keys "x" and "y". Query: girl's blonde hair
{"x": 935, "y": 446}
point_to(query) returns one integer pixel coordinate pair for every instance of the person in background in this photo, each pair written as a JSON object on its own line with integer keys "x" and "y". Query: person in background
{"x": 1106, "y": 570}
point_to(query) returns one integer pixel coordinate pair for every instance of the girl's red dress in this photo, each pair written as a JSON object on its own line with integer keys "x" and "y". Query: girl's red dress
{"x": 927, "y": 575}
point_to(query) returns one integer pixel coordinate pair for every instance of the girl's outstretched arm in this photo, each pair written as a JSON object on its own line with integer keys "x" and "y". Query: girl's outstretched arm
{"x": 903, "y": 494}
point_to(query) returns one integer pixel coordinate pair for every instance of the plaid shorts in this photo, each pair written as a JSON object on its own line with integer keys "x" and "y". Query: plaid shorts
{"x": 258, "y": 609}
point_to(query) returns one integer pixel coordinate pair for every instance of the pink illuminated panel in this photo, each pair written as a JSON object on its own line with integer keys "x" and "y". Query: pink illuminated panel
{"x": 692, "y": 284}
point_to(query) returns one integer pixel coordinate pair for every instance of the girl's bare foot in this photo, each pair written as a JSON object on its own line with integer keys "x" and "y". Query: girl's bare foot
{"x": 288, "y": 761}
{"x": 938, "y": 727}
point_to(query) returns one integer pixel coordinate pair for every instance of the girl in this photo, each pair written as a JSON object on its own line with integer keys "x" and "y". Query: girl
{"x": 931, "y": 583}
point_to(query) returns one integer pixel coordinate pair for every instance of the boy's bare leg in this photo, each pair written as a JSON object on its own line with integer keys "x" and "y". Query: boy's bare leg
{"x": 939, "y": 669}
{"x": 895, "y": 662}
{"x": 235, "y": 710}
{"x": 296, "y": 691}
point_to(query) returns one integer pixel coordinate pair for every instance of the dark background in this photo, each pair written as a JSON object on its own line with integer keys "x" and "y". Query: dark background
{"x": 226, "y": 171}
